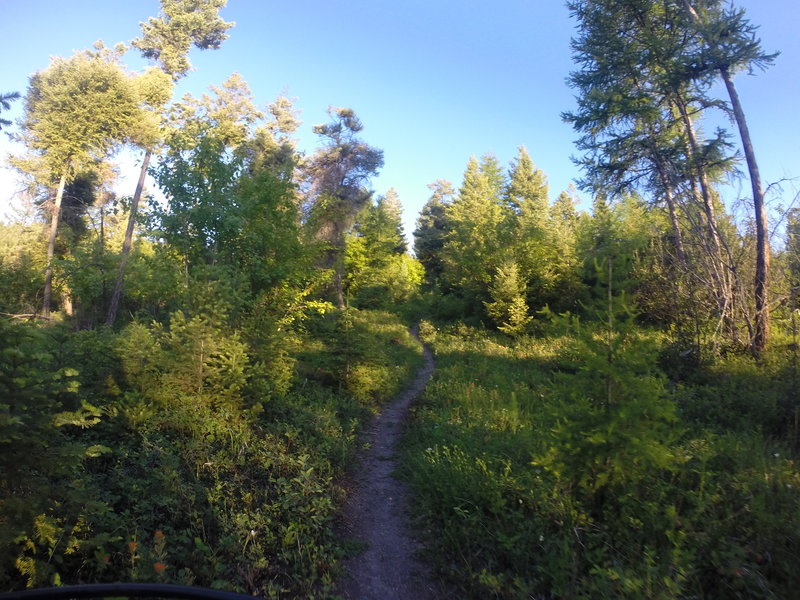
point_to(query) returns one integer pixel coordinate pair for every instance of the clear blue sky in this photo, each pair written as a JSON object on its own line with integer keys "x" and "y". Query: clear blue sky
{"x": 434, "y": 81}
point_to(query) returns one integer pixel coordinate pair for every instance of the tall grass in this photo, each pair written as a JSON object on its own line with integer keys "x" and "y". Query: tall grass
{"x": 530, "y": 483}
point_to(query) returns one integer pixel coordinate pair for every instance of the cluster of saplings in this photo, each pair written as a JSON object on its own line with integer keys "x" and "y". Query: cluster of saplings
{"x": 182, "y": 380}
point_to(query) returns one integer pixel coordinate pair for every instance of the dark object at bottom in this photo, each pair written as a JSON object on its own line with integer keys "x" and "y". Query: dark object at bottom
{"x": 124, "y": 590}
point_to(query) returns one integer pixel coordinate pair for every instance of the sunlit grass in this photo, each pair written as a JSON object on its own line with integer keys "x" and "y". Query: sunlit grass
{"x": 504, "y": 519}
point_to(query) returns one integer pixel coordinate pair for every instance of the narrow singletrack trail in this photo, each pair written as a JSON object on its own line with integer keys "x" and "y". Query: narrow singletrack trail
{"x": 376, "y": 512}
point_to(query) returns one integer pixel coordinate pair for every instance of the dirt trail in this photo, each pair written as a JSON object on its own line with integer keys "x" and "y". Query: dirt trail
{"x": 376, "y": 512}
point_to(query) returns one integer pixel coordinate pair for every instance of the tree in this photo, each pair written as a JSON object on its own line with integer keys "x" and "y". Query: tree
{"x": 204, "y": 158}
{"x": 526, "y": 193}
{"x": 432, "y": 228}
{"x": 5, "y": 104}
{"x": 378, "y": 267}
{"x": 154, "y": 88}
{"x": 337, "y": 176}
{"x": 167, "y": 41}
{"x": 508, "y": 307}
{"x": 731, "y": 45}
{"x": 76, "y": 110}
{"x": 641, "y": 93}
{"x": 272, "y": 147}
{"x": 476, "y": 243}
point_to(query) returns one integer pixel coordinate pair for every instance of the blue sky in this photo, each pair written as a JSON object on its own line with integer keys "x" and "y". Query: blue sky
{"x": 434, "y": 81}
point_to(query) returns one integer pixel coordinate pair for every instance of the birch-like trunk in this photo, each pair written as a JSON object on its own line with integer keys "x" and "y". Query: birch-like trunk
{"x": 760, "y": 336}
{"x": 51, "y": 246}
{"x": 116, "y": 295}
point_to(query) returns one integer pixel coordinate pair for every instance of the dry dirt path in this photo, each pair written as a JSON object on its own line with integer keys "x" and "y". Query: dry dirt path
{"x": 376, "y": 512}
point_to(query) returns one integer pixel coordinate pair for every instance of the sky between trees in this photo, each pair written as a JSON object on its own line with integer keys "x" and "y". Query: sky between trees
{"x": 433, "y": 82}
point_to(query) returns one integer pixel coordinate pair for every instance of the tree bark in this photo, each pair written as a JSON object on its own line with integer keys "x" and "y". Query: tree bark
{"x": 669, "y": 197}
{"x": 761, "y": 333}
{"x": 51, "y": 246}
{"x": 762, "y": 323}
{"x": 116, "y": 295}
{"x": 723, "y": 292}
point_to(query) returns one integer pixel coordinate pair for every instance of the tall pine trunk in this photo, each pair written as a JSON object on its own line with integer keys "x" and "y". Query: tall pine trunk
{"x": 761, "y": 333}
{"x": 116, "y": 295}
{"x": 760, "y": 336}
{"x": 51, "y": 245}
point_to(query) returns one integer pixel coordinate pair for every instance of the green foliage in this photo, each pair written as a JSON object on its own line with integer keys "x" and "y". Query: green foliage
{"x": 5, "y": 104}
{"x": 22, "y": 261}
{"x": 75, "y": 111}
{"x": 508, "y": 307}
{"x": 181, "y": 24}
{"x": 42, "y": 416}
{"x": 431, "y": 231}
{"x": 474, "y": 246}
{"x": 189, "y": 451}
{"x": 379, "y": 272}
{"x": 566, "y": 466}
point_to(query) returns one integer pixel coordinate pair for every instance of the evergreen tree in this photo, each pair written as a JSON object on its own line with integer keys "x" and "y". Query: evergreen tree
{"x": 474, "y": 247}
{"x": 272, "y": 147}
{"x": 731, "y": 45}
{"x": 379, "y": 271}
{"x": 508, "y": 307}
{"x": 76, "y": 111}
{"x": 527, "y": 192}
{"x": 338, "y": 174}
{"x": 432, "y": 228}
{"x": 5, "y": 104}
{"x": 641, "y": 95}
{"x": 166, "y": 39}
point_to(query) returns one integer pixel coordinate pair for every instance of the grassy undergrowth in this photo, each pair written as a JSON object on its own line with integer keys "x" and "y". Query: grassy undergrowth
{"x": 185, "y": 453}
{"x": 570, "y": 466}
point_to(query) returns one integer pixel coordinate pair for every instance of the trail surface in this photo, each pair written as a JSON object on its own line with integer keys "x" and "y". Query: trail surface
{"x": 376, "y": 512}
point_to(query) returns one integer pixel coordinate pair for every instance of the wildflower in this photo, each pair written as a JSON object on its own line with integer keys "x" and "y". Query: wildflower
{"x": 105, "y": 558}
{"x": 158, "y": 534}
{"x": 132, "y": 546}
{"x": 159, "y": 567}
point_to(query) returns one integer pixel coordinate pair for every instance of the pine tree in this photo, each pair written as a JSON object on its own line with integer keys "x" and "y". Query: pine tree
{"x": 5, "y": 104}
{"x": 508, "y": 307}
{"x": 527, "y": 193}
{"x": 338, "y": 174}
{"x": 166, "y": 40}
{"x": 76, "y": 111}
{"x": 432, "y": 229}
{"x": 474, "y": 247}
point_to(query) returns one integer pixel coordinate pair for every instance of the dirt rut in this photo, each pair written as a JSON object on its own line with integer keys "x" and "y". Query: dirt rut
{"x": 376, "y": 512}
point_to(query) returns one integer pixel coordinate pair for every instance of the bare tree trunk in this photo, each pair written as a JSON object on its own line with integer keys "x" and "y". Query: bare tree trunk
{"x": 669, "y": 197}
{"x": 723, "y": 292}
{"x": 761, "y": 333}
{"x": 116, "y": 295}
{"x": 51, "y": 246}
{"x": 760, "y": 336}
